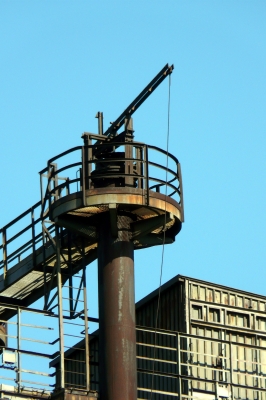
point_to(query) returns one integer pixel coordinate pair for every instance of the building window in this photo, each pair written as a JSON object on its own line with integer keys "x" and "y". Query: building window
{"x": 214, "y": 315}
{"x": 238, "y": 319}
{"x": 261, "y": 323}
{"x": 197, "y": 312}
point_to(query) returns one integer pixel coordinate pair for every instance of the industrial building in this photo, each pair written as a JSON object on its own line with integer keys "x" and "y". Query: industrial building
{"x": 103, "y": 200}
{"x": 210, "y": 343}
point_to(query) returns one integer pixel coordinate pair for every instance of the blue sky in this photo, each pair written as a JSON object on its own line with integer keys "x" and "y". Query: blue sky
{"x": 62, "y": 61}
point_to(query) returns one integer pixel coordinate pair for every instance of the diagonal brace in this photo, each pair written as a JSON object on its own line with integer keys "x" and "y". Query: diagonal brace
{"x": 145, "y": 226}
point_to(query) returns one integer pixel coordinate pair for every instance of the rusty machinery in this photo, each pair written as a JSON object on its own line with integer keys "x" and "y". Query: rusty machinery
{"x": 121, "y": 205}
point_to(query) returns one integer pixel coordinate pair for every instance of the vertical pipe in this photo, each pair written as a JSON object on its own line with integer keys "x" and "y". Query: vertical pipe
{"x": 117, "y": 330}
{"x": 99, "y": 115}
{"x": 60, "y": 310}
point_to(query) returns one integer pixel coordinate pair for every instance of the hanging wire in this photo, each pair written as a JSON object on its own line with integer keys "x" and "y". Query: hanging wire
{"x": 164, "y": 229}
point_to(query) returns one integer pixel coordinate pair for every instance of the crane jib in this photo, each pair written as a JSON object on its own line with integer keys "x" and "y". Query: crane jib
{"x": 134, "y": 105}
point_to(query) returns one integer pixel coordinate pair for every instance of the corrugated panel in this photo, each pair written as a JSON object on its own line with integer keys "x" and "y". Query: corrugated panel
{"x": 222, "y": 356}
{"x": 169, "y": 310}
{"x": 75, "y": 369}
{"x": 94, "y": 363}
{"x": 237, "y": 317}
{"x": 210, "y": 362}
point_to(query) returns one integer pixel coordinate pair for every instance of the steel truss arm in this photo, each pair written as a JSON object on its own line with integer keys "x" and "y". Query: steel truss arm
{"x": 136, "y": 103}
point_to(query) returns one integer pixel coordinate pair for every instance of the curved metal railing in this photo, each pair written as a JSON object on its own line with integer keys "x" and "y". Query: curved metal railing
{"x": 141, "y": 171}
{"x": 150, "y": 169}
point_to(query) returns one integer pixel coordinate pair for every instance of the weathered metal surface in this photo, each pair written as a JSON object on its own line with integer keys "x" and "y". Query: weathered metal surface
{"x": 171, "y": 310}
{"x": 3, "y": 336}
{"x": 24, "y": 281}
{"x": 216, "y": 354}
{"x": 28, "y": 267}
{"x": 100, "y": 200}
{"x": 184, "y": 365}
{"x": 118, "y": 380}
{"x": 101, "y": 197}
{"x": 74, "y": 395}
{"x": 237, "y": 317}
{"x": 116, "y": 207}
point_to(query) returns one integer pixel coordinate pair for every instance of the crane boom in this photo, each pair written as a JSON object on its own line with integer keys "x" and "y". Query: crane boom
{"x": 166, "y": 70}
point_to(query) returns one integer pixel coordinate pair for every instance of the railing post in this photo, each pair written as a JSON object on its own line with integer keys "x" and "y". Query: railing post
{"x": 55, "y": 180}
{"x": 146, "y": 160}
{"x": 85, "y": 164}
{"x": 4, "y": 251}
{"x": 87, "y": 345}
{"x": 42, "y": 199}
{"x": 44, "y": 266}
{"x": 83, "y": 177}
{"x": 60, "y": 310}
{"x": 139, "y": 166}
{"x": 33, "y": 235}
{"x": 67, "y": 187}
{"x": 18, "y": 350}
{"x": 89, "y": 164}
{"x": 129, "y": 179}
{"x": 49, "y": 185}
{"x": 70, "y": 279}
{"x": 178, "y": 366}
{"x": 181, "y": 191}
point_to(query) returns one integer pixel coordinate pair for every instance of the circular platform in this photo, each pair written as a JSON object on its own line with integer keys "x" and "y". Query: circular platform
{"x": 82, "y": 213}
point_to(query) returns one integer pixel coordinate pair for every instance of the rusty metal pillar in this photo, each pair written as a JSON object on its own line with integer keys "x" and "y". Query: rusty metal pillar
{"x": 118, "y": 375}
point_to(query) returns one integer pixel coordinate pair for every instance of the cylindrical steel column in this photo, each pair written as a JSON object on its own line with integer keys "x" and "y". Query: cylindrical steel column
{"x": 117, "y": 352}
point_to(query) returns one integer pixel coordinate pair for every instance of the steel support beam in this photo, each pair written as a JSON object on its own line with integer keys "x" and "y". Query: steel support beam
{"x": 60, "y": 311}
{"x": 118, "y": 375}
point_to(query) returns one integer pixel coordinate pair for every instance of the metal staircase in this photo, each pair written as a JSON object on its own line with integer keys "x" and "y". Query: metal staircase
{"x": 28, "y": 270}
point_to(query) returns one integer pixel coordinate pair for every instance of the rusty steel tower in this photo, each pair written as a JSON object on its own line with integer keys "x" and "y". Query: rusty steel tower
{"x": 121, "y": 208}
{"x": 123, "y": 196}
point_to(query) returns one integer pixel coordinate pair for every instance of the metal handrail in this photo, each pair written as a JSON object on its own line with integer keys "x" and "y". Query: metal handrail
{"x": 56, "y": 190}
{"x": 174, "y": 360}
{"x": 170, "y": 359}
{"x": 30, "y": 243}
{"x": 55, "y": 173}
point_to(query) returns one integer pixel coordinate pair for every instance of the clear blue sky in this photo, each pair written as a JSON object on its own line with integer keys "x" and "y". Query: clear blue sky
{"x": 62, "y": 61}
